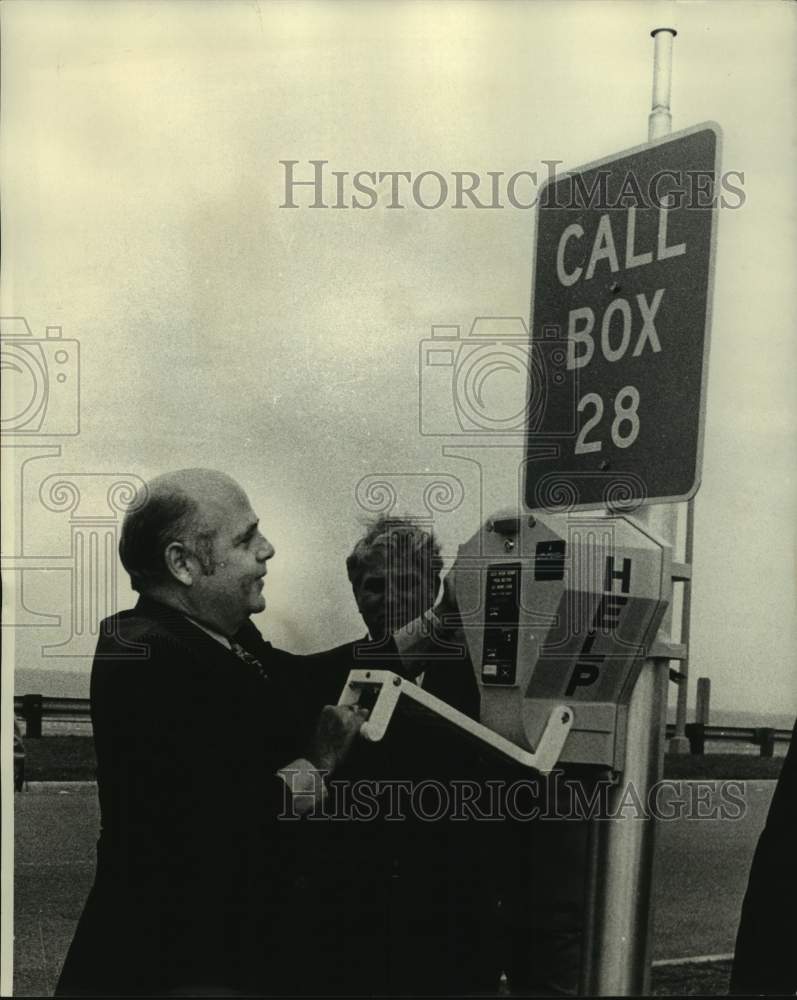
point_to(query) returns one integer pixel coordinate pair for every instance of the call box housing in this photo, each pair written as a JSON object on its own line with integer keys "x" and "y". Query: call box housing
{"x": 561, "y": 609}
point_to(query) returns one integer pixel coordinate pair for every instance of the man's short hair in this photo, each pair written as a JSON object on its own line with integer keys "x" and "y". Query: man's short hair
{"x": 155, "y": 518}
{"x": 405, "y": 542}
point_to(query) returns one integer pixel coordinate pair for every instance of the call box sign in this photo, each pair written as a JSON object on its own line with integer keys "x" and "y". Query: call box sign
{"x": 620, "y": 316}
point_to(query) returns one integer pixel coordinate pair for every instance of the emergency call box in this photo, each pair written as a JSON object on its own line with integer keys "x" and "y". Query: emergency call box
{"x": 561, "y": 609}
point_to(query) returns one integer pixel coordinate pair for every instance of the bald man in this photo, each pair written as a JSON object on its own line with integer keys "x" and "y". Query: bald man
{"x": 203, "y": 763}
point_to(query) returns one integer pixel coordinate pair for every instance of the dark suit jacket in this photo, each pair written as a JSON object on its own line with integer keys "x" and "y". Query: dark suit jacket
{"x": 765, "y": 960}
{"x": 193, "y": 865}
{"x": 403, "y": 897}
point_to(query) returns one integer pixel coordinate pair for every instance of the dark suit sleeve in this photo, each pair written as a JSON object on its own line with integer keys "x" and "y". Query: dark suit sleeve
{"x": 765, "y": 960}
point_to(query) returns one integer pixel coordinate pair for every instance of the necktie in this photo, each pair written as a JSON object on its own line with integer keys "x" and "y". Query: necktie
{"x": 249, "y": 659}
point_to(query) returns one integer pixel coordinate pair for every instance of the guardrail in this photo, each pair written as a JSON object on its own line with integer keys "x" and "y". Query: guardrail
{"x": 763, "y": 737}
{"x": 34, "y": 708}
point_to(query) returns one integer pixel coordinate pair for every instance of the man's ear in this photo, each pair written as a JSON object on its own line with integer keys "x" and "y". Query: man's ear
{"x": 176, "y": 556}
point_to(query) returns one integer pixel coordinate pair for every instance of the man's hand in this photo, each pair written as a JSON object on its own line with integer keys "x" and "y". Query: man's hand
{"x": 337, "y": 728}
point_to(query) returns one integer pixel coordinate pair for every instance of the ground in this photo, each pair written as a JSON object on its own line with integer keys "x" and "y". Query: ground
{"x": 701, "y": 867}
{"x": 71, "y": 758}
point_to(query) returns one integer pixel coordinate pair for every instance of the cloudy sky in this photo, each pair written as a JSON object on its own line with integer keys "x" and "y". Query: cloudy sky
{"x": 141, "y": 194}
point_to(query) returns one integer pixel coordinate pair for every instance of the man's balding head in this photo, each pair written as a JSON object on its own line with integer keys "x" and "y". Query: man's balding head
{"x": 184, "y": 506}
{"x": 191, "y": 540}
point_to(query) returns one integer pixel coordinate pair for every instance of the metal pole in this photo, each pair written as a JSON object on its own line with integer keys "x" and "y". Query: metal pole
{"x": 660, "y": 124}
{"x": 703, "y": 701}
{"x": 663, "y": 518}
{"x": 660, "y": 119}
{"x": 619, "y": 963}
{"x": 32, "y": 712}
{"x": 679, "y": 743}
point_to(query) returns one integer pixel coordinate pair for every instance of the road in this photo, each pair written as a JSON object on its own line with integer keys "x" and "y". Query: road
{"x": 700, "y": 877}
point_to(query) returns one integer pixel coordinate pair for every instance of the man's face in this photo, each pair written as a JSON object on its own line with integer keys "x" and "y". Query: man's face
{"x": 233, "y": 590}
{"x": 391, "y": 591}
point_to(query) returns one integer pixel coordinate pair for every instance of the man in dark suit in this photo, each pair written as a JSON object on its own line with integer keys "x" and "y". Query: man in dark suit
{"x": 533, "y": 917}
{"x": 409, "y": 901}
{"x": 202, "y": 768}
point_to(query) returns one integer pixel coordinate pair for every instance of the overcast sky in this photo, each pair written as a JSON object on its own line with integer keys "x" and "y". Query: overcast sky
{"x": 141, "y": 193}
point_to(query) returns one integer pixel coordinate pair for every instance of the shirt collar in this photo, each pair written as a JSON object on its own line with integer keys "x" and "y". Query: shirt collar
{"x": 214, "y": 635}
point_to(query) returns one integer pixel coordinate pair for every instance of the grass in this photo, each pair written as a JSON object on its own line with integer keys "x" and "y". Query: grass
{"x": 71, "y": 758}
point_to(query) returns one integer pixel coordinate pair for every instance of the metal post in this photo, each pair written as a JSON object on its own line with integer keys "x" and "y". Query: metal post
{"x": 619, "y": 963}
{"x": 32, "y": 712}
{"x": 660, "y": 119}
{"x": 663, "y": 518}
{"x": 679, "y": 742}
{"x": 703, "y": 700}
{"x": 696, "y": 734}
{"x": 765, "y": 738}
